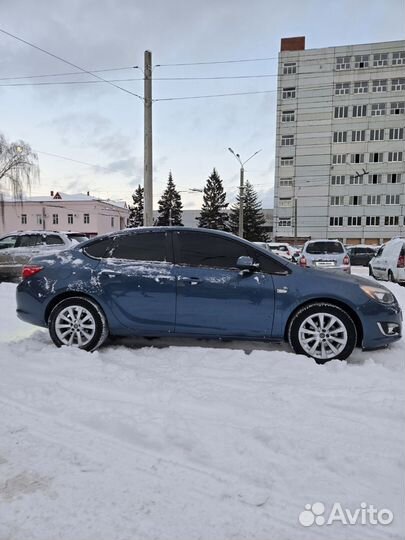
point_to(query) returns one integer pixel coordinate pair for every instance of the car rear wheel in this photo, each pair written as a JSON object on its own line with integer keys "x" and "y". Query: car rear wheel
{"x": 322, "y": 331}
{"x": 78, "y": 322}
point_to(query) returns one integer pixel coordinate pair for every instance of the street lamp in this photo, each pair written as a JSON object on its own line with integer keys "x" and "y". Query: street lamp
{"x": 241, "y": 187}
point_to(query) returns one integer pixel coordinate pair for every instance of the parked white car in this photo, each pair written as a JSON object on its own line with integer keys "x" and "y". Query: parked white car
{"x": 282, "y": 249}
{"x": 389, "y": 262}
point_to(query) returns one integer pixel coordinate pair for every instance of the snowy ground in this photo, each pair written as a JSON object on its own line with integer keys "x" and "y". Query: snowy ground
{"x": 191, "y": 442}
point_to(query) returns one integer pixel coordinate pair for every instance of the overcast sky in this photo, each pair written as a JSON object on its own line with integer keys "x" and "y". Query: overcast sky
{"x": 103, "y": 126}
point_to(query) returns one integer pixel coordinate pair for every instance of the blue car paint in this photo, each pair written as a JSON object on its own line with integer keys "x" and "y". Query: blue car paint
{"x": 141, "y": 298}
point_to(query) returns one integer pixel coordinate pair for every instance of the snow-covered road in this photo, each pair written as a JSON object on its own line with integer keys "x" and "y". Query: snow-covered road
{"x": 190, "y": 442}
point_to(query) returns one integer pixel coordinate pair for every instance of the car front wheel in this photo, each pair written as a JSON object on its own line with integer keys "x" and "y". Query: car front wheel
{"x": 322, "y": 331}
{"x": 78, "y": 322}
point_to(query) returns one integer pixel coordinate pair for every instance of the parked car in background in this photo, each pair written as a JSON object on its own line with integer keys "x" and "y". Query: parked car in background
{"x": 282, "y": 249}
{"x": 361, "y": 255}
{"x": 389, "y": 262}
{"x": 325, "y": 255}
{"x": 17, "y": 248}
{"x": 201, "y": 283}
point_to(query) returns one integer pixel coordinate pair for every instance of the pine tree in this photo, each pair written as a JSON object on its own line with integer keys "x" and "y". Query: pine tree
{"x": 253, "y": 217}
{"x": 136, "y": 211}
{"x": 213, "y": 213}
{"x": 170, "y": 206}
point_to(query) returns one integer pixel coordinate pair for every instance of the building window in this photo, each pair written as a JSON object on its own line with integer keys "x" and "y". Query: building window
{"x": 354, "y": 221}
{"x": 372, "y": 221}
{"x": 390, "y": 221}
{"x": 23, "y": 219}
{"x": 357, "y": 158}
{"x": 394, "y": 178}
{"x": 112, "y": 221}
{"x": 70, "y": 219}
{"x": 398, "y": 84}
{"x": 392, "y": 199}
{"x": 341, "y": 112}
{"x": 378, "y": 109}
{"x": 338, "y": 159}
{"x": 342, "y": 89}
{"x": 55, "y": 219}
{"x": 287, "y": 140}
{"x": 376, "y": 134}
{"x": 288, "y": 116}
{"x": 396, "y": 134}
{"x": 356, "y": 180}
{"x": 380, "y": 85}
{"x": 355, "y": 200}
{"x": 336, "y": 221}
{"x": 286, "y": 161}
{"x": 86, "y": 219}
{"x": 286, "y": 182}
{"x": 380, "y": 59}
{"x": 374, "y": 178}
{"x": 373, "y": 199}
{"x": 360, "y": 87}
{"x": 39, "y": 219}
{"x": 289, "y": 68}
{"x": 361, "y": 61}
{"x": 342, "y": 62}
{"x": 284, "y": 222}
{"x": 285, "y": 202}
{"x": 394, "y": 156}
{"x": 338, "y": 180}
{"x": 337, "y": 200}
{"x": 340, "y": 136}
{"x": 376, "y": 157}
{"x": 359, "y": 111}
{"x": 397, "y": 107}
{"x": 288, "y": 93}
{"x": 398, "y": 58}
{"x": 359, "y": 135}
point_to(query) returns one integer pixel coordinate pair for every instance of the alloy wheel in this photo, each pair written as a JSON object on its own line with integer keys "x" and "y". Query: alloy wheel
{"x": 322, "y": 336}
{"x": 75, "y": 326}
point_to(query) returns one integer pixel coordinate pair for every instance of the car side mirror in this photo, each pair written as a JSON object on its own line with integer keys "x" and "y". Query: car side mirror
{"x": 246, "y": 264}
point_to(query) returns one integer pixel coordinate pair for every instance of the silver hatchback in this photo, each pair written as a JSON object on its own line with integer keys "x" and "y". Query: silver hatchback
{"x": 325, "y": 255}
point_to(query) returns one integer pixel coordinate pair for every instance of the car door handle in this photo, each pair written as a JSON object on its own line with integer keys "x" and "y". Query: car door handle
{"x": 189, "y": 280}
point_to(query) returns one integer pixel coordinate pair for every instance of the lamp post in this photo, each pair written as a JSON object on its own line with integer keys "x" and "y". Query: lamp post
{"x": 241, "y": 187}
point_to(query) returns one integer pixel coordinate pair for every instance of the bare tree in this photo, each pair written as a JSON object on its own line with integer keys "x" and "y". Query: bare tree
{"x": 18, "y": 169}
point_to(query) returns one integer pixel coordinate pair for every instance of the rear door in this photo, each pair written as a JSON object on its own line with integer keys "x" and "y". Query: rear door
{"x": 214, "y": 298}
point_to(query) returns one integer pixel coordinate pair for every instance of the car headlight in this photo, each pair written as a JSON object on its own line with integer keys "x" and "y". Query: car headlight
{"x": 379, "y": 294}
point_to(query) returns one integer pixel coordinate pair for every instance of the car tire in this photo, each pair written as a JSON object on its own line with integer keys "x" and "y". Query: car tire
{"x": 335, "y": 340}
{"x": 78, "y": 322}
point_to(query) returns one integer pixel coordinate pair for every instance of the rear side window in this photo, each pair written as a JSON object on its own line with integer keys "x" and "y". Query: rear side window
{"x": 100, "y": 248}
{"x": 29, "y": 240}
{"x": 317, "y": 248}
{"x": 140, "y": 247}
{"x": 8, "y": 242}
{"x": 53, "y": 239}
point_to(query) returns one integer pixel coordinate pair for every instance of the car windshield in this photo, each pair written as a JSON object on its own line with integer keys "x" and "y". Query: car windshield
{"x": 317, "y": 248}
{"x": 278, "y": 248}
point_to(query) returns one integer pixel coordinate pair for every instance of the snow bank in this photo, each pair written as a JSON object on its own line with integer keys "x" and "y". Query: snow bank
{"x": 184, "y": 443}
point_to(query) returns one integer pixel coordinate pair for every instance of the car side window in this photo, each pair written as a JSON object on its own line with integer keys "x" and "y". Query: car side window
{"x": 267, "y": 264}
{"x": 210, "y": 250}
{"x": 100, "y": 249}
{"x": 28, "y": 240}
{"x": 8, "y": 242}
{"x": 380, "y": 251}
{"x": 146, "y": 246}
{"x": 53, "y": 239}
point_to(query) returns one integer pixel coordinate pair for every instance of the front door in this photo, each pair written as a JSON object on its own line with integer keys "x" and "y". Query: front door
{"x": 214, "y": 298}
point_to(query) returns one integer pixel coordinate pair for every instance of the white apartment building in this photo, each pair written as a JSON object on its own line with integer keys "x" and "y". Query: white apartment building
{"x": 59, "y": 211}
{"x": 340, "y": 150}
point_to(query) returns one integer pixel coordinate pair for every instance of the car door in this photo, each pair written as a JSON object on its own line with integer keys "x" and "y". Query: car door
{"x": 6, "y": 251}
{"x": 377, "y": 264}
{"x": 26, "y": 246}
{"x": 137, "y": 281}
{"x": 214, "y": 298}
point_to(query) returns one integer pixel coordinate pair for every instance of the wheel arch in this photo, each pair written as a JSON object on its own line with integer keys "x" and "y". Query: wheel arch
{"x": 70, "y": 294}
{"x": 348, "y": 309}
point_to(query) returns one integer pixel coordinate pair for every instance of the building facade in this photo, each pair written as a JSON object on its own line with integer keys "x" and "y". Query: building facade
{"x": 64, "y": 212}
{"x": 340, "y": 150}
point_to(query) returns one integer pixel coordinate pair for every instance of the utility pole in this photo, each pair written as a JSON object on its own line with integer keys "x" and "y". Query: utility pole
{"x": 148, "y": 161}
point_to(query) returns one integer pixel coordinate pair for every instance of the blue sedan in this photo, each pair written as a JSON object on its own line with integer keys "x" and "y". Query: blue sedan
{"x": 207, "y": 284}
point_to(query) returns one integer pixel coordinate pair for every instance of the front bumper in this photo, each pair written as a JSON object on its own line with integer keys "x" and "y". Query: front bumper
{"x": 377, "y": 319}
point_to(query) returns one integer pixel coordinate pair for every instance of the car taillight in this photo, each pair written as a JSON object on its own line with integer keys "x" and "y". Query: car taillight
{"x": 401, "y": 261}
{"x": 303, "y": 261}
{"x": 30, "y": 270}
{"x": 346, "y": 260}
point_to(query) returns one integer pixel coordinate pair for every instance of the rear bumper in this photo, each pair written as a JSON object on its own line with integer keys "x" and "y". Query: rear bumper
{"x": 29, "y": 308}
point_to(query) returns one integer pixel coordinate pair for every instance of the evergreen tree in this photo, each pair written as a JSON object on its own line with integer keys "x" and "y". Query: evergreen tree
{"x": 170, "y": 206}
{"x": 213, "y": 213}
{"x": 253, "y": 217}
{"x": 136, "y": 211}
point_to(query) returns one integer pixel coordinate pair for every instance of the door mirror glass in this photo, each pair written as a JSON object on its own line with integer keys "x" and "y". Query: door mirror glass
{"x": 246, "y": 263}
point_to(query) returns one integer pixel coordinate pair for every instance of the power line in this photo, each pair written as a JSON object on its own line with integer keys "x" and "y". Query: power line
{"x": 211, "y": 62}
{"x": 215, "y": 95}
{"x": 72, "y": 159}
{"x": 66, "y": 73}
{"x": 68, "y": 63}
